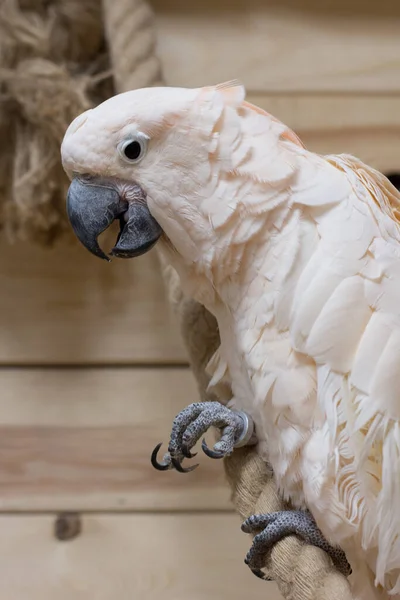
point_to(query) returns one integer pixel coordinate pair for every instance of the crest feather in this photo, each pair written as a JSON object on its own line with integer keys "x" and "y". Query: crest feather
{"x": 233, "y": 92}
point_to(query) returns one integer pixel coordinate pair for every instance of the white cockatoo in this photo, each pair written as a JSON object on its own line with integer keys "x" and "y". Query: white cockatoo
{"x": 297, "y": 255}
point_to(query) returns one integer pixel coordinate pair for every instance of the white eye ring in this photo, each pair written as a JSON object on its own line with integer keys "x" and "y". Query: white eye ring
{"x": 133, "y": 149}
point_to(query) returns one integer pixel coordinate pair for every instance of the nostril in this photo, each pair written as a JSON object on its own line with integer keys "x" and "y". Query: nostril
{"x": 84, "y": 177}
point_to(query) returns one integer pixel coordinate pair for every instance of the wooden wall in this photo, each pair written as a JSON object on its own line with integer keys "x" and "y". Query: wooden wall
{"x": 92, "y": 368}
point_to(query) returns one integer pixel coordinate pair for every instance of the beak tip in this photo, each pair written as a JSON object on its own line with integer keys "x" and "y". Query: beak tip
{"x": 98, "y": 252}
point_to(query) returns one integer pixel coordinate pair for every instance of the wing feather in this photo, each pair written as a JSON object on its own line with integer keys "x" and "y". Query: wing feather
{"x": 347, "y": 318}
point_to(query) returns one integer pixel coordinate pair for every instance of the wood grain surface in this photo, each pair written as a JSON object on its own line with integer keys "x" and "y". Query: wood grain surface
{"x": 82, "y": 439}
{"x": 63, "y": 305}
{"x": 282, "y": 45}
{"x": 146, "y": 557}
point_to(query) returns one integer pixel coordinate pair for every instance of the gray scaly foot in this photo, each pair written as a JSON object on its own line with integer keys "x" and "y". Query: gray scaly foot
{"x": 271, "y": 528}
{"x": 191, "y": 423}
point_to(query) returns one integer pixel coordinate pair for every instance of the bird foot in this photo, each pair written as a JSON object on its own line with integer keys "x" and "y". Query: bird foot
{"x": 237, "y": 429}
{"x": 271, "y": 528}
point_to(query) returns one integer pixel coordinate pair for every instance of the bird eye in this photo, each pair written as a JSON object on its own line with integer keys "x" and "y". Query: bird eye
{"x": 133, "y": 149}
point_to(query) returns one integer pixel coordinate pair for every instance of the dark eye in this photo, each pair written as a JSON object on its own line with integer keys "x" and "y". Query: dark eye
{"x": 133, "y": 150}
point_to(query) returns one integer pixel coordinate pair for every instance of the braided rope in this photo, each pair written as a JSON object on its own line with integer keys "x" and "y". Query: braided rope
{"x": 130, "y": 31}
{"x": 52, "y": 68}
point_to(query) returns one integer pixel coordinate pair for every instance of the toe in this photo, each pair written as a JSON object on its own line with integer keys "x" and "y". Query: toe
{"x": 257, "y": 522}
{"x": 257, "y": 555}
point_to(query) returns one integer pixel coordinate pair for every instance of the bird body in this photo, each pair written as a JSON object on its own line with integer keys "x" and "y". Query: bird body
{"x": 298, "y": 257}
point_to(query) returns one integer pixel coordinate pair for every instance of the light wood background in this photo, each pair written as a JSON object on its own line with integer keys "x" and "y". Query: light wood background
{"x": 92, "y": 369}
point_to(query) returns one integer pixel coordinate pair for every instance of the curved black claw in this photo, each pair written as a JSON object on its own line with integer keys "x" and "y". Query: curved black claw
{"x": 186, "y": 452}
{"x": 181, "y": 469}
{"x": 210, "y": 453}
{"x": 160, "y": 466}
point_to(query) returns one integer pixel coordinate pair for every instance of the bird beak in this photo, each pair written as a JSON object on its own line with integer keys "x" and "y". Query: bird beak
{"x": 93, "y": 205}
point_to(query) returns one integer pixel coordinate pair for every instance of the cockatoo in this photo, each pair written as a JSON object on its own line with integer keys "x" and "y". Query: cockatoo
{"x": 297, "y": 255}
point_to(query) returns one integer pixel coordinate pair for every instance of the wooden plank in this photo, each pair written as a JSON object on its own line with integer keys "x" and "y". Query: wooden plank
{"x": 82, "y": 438}
{"x": 147, "y": 557}
{"x": 64, "y": 305}
{"x": 281, "y": 46}
{"x": 332, "y": 113}
{"x": 380, "y": 149}
{"x": 367, "y": 127}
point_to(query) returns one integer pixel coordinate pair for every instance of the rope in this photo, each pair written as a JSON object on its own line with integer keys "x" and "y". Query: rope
{"x": 52, "y": 67}
{"x": 131, "y": 36}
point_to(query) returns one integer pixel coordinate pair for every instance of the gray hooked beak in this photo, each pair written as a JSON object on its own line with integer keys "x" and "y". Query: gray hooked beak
{"x": 93, "y": 205}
